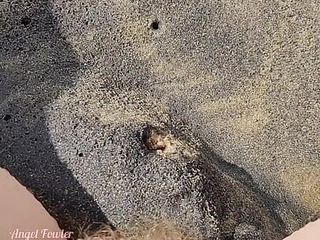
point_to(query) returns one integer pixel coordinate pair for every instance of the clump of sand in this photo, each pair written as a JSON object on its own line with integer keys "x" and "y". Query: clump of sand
{"x": 165, "y": 143}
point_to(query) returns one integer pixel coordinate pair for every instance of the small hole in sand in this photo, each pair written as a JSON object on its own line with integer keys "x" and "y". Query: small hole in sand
{"x": 155, "y": 25}
{"x": 25, "y": 21}
{"x": 80, "y": 154}
{"x": 7, "y": 117}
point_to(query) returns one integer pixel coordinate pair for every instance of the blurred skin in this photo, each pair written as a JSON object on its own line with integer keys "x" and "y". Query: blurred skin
{"x": 309, "y": 232}
{"x": 22, "y": 216}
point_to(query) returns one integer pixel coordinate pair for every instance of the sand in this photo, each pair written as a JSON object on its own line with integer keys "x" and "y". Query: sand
{"x": 82, "y": 79}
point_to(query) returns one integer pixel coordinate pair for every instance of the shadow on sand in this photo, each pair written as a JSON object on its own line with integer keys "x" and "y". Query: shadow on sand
{"x": 36, "y": 64}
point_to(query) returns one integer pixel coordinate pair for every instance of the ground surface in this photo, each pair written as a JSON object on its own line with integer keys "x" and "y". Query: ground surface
{"x": 80, "y": 80}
